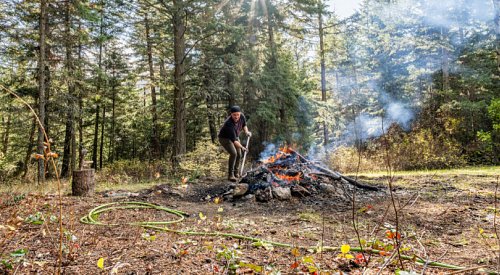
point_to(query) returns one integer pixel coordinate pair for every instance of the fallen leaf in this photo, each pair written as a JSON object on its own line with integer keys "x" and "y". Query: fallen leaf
{"x": 202, "y": 217}
{"x": 100, "y": 263}
{"x": 345, "y": 248}
{"x": 295, "y": 252}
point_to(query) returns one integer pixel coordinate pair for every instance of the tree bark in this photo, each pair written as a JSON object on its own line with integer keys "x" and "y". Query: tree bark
{"x": 80, "y": 128}
{"x": 96, "y": 136}
{"x": 83, "y": 182}
{"x": 41, "y": 88}
{"x": 69, "y": 133}
{"x": 496, "y": 4}
{"x": 179, "y": 88}
{"x": 322, "y": 64}
{"x": 98, "y": 88}
{"x": 155, "y": 138}
{"x": 29, "y": 149}
{"x": 79, "y": 91}
{"x": 103, "y": 125}
{"x": 6, "y": 134}
{"x": 113, "y": 120}
{"x": 211, "y": 119}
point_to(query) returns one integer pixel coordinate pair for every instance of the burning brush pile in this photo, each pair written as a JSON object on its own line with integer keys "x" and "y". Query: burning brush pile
{"x": 287, "y": 174}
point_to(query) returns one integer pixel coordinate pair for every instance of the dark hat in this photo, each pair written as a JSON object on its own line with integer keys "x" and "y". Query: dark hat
{"x": 235, "y": 109}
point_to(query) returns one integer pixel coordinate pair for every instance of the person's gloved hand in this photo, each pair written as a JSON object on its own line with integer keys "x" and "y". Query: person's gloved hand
{"x": 249, "y": 134}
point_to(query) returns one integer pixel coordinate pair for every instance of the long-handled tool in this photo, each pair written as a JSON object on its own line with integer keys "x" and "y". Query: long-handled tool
{"x": 244, "y": 157}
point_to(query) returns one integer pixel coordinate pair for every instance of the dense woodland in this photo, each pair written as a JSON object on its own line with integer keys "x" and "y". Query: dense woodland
{"x": 152, "y": 80}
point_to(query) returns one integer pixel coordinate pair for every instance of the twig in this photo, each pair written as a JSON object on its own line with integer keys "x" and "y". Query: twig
{"x": 425, "y": 254}
{"x": 322, "y": 238}
{"x": 388, "y": 260}
{"x": 391, "y": 192}
{"x": 413, "y": 199}
{"x": 354, "y": 216}
{"x": 47, "y": 140}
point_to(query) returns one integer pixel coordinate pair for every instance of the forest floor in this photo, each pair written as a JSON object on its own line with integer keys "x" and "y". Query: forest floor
{"x": 448, "y": 218}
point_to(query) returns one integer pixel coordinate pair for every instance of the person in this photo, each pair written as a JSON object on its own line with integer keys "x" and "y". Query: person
{"x": 229, "y": 139}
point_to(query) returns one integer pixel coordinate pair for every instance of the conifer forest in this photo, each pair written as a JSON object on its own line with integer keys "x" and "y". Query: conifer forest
{"x": 374, "y": 144}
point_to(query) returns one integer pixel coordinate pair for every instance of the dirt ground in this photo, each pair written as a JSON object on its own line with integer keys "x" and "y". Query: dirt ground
{"x": 449, "y": 219}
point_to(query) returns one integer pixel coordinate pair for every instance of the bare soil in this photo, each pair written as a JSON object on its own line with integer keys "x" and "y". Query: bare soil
{"x": 449, "y": 219}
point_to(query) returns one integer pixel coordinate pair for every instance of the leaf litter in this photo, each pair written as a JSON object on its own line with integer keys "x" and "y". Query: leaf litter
{"x": 441, "y": 218}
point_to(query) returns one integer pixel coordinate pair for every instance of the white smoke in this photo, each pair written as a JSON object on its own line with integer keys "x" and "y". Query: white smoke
{"x": 269, "y": 150}
{"x": 439, "y": 13}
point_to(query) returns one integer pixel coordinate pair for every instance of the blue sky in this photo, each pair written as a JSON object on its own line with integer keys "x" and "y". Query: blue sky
{"x": 343, "y": 8}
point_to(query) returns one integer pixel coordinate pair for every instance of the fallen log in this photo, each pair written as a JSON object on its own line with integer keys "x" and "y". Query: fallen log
{"x": 335, "y": 175}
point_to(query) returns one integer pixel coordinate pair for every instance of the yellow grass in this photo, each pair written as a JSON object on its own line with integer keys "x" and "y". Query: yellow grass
{"x": 475, "y": 170}
{"x": 50, "y": 187}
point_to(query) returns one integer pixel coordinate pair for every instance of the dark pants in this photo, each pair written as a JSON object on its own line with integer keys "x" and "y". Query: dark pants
{"x": 234, "y": 156}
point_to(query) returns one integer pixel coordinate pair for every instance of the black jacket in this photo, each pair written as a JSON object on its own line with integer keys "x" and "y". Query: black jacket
{"x": 232, "y": 130}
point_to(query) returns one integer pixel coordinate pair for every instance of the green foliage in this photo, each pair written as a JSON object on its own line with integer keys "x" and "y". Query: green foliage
{"x": 494, "y": 113}
{"x": 35, "y": 218}
{"x": 207, "y": 159}
{"x": 420, "y": 149}
{"x": 14, "y": 257}
{"x": 230, "y": 256}
{"x": 260, "y": 58}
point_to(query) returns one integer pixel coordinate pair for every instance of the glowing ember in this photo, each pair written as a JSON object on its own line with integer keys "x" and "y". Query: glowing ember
{"x": 298, "y": 177}
{"x": 283, "y": 153}
{"x": 295, "y": 176}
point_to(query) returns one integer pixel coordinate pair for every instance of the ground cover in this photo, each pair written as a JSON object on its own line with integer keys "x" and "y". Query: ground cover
{"x": 444, "y": 217}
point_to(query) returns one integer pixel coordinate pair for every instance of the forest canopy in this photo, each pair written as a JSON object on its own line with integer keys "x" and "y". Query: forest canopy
{"x": 153, "y": 80}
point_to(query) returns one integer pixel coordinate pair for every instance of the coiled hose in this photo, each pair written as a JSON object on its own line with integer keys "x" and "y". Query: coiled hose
{"x": 92, "y": 218}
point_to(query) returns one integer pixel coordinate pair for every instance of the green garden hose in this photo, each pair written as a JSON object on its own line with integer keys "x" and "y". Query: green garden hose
{"x": 93, "y": 218}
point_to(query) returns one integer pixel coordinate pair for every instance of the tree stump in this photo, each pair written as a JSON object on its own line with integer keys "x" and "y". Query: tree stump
{"x": 83, "y": 182}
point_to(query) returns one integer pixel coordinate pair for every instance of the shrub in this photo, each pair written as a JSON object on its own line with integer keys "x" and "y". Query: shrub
{"x": 419, "y": 149}
{"x": 207, "y": 159}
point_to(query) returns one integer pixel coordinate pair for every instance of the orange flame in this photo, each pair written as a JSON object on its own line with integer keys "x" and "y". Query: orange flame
{"x": 282, "y": 153}
{"x": 289, "y": 178}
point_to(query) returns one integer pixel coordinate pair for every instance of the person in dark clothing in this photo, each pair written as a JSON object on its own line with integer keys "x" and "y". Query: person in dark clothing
{"x": 229, "y": 139}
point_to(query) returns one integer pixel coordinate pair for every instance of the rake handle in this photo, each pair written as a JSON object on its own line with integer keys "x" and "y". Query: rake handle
{"x": 244, "y": 157}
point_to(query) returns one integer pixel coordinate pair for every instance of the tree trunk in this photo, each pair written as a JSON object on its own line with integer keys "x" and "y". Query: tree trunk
{"x": 69, "y": 133}
{"x": 113, "y": 121}
{"x": 98, "y": 89}
{"x": 445, "y": 63}
{"x": 211, "y": 120}
{"x": 6, "y": 134}
{"x": 66, "y": 163}
{"x": 323, "y": 70}
{"x": 80, "y": 128}
{"x": 83, "y": 182}
{"x": 29, "y": 149}
{"x": 270, "y": 29}
{"x": 41, "y": 89}
{"x": 155, "y": 138}
{"x": 96, "y": 136}
{"x": 163, "y": 80}
{"x": 496, "y": 4}
{"x": 80, "y": 99}
{"x": 102, "y": 134}
{"x": 73, "y": 149}
{"x": 179, "y": 89}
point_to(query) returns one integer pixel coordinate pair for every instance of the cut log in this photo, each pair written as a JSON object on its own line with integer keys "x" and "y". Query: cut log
{"x": 83, "y": 182}
{"x": 335, "y": 175}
